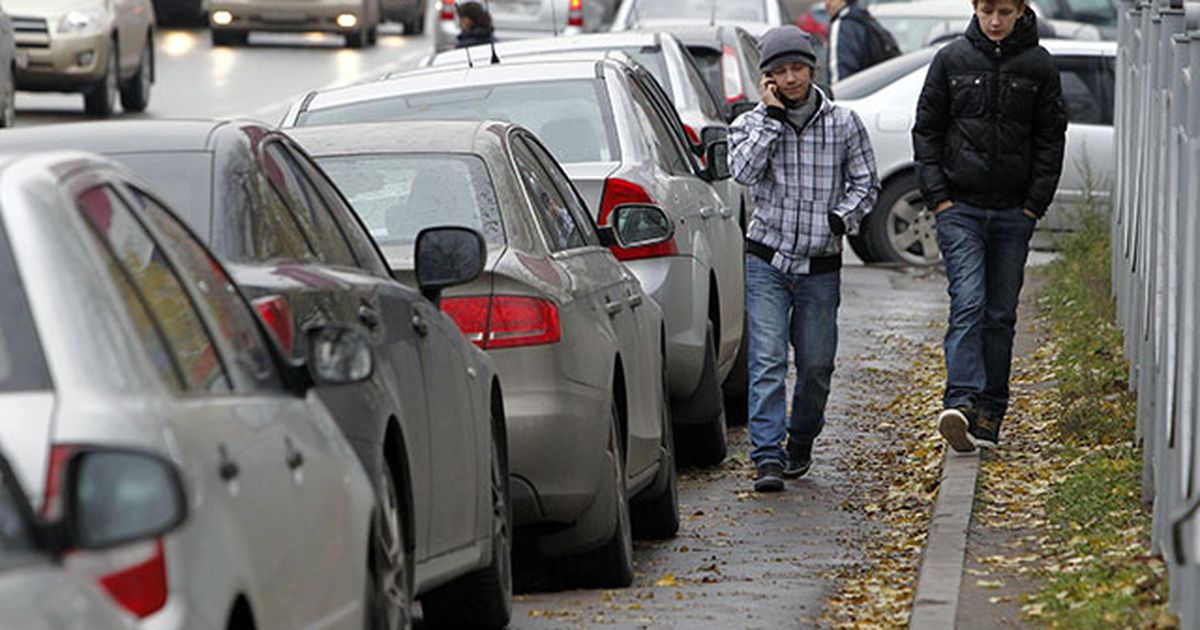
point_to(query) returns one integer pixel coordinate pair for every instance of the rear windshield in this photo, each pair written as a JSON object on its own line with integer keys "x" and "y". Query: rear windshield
{"x": 22, "y": 365}
{"x": 182, "y": 179}
{"x": 572, "y": 118}
{"x": 728, "y": 10}
{"x": 398, "y": 195}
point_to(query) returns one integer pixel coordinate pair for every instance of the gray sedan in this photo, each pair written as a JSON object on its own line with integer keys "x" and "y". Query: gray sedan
{"x": 577, "y": 343}
{"x": 523, "y": 19}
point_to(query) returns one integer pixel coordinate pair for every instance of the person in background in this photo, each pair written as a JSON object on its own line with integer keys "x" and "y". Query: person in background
{"x": 857, "y": 40}
{"x": 475, "y": 25}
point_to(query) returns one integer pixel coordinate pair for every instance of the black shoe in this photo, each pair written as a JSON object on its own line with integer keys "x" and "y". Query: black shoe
{"x": 956, "y": 425}
{"x": 799, "y": 459}
{"x": 986, "y": 431}
{"x": 769, "y": 478}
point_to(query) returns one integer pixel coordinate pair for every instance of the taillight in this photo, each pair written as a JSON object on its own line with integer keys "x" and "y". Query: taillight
{"x": 447, "y": 10}
{"x": 141, "y": 588}
{"x": 505, "y": 321}
{"x": 731, "y": 73}
{"x": 274, "y": 311}
{"x": 56, "y": 467}
{"x": 618, "y": 192}
{"x": 575, "y": 13}
{"x": 692, "y": 135}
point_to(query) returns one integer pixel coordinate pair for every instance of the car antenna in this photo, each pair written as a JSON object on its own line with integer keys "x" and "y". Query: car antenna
{"x": 554, "y": 18}
{"x": 712, "y": 20}
{"x": 487, "y": 6}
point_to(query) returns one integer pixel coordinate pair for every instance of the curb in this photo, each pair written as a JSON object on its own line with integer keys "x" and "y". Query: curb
{"x": 939, "y": 578}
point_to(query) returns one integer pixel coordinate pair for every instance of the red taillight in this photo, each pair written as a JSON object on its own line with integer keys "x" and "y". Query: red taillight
{"x": 505, "y": 321}
{"x": 141, "y": 588}
{"x": 575, "y": 13}
{"x": 274, "y": 311}
{"x": 619, "y": 192}
{"x": 731, "y": 73}
{"x": 691, "y": 134}
{"x": 56, "y": 467}
{"x": 447, "y": 10}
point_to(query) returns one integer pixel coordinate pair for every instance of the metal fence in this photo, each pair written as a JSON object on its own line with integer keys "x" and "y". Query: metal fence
{"x": 1156, "y": 269}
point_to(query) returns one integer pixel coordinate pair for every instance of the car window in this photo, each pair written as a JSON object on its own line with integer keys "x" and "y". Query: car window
{"x": 251, "y": 223}
{"x": 696, "y": 83}
{"x": 231, "y": 316}
{"x": 723, "y": 11}
{"x": 157, "y": 286}
{"x": 1087, "y": 88}
{"x": 572, "y": 117}
{"x": 750, "y": 50}
{"x": 308, "y": 207}
{"x": 561, "y": 229}
{"x": 22, "y": 364}
{"x": 879, "y": 76}
{"x": 708, "y": 61}
{"x": 399, "y": 194}
{"x": 652, "y": 59}
{"x": 663, "y": 145}
{"x": 566, "y": 190}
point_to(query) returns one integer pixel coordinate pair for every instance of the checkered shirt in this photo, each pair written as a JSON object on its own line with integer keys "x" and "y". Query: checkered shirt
{"x": 797, "y": 178}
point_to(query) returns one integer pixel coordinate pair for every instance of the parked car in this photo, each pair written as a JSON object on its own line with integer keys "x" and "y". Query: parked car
{"x": 121, "y": 331}
{"x": 410, "y": 13}
{"x": 181, "y": 11}
{"x": 1099, "y": 13}
{"x": 524, "y": 19}
{"x": 36, "y": 589}
{"x": 901, "y": 228}
{"x": 756, "y": 16}
{"x": 102, "y": 48}
{"x": 604, "y": 118}
{"x": 577, "y": 342}
{"x": 727, "y": 57}
{"x": 230, "y": 21}
{"x": 428, "y": 423}
{"x": 926, "y": 22}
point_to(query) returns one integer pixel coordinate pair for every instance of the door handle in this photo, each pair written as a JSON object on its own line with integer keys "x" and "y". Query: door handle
{"x": 634, "y": 300}
{"x": 613, "y": 307}
{"x": 295, "y": 458}
{"x": 727, "y": 212}
{"x": 419, "y": 325}
{"x": 227, "y": 467}
{"x": 368, "y": 316}
{"x": 706, "y": 213}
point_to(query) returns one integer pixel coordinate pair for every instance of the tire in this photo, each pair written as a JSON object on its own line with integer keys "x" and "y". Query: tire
{"x": 415, "y": 26}
{"x": 101, "y": 98}
{"x": 372, "y": 35}
{"x": 858, "y": 243}
{"x": 483, "y": 598}
{"x": 389, "y": 575}
{"x": 135, "y": 95}
{"x": 702, "y": 443}
{"x": 229, "y": 38}
{"x": 901, "y": 229}
{"x": 656, "y": 516}
{"x": 611, "y": 566}
{"x": 737, "y": 383}
{"x": 8, "y": 109}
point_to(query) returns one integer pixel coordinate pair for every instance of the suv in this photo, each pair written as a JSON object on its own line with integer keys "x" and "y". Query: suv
{"x": 103, "y": 49}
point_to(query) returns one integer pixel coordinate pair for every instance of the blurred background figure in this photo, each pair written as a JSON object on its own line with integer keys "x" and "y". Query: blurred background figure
{"x": 476, "y": 25}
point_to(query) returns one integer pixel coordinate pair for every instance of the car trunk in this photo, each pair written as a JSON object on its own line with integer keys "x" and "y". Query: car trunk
{"x": 589, "y": 178}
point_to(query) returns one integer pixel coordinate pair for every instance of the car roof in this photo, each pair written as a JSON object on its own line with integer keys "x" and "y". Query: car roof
{"x": 115, "y": 136}
{"x": 418, "y": 136}
{"x": 548, "y": 45}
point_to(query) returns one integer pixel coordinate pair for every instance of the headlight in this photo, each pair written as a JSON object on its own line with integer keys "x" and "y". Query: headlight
{"x": 80, "y": 22}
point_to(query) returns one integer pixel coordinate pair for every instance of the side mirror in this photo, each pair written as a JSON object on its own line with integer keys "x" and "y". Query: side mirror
{"x": 447, "y": 257}
{"x": 638, "y": 225}
{"x": 716, "y": 153}
{"x": 115, "y": 497}
{"x": 739, "y": 108}
{"x": 338, "y": 355}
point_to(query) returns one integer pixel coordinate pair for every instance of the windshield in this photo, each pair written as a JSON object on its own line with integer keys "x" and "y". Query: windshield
{"x": 398, "y": 195}
{"x": 572, "y": 117}
{"x": 22, "y": 365}
{"x": 714, "y": 10}
{"x": 877, "y": 77}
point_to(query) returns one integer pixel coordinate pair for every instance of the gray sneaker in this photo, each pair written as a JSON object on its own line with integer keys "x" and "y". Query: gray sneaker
{"x": 769, "y": 477}
{"x": 955, "y": 424}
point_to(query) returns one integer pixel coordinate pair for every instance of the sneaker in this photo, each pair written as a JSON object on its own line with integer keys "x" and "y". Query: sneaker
{"x": 986, "y": 431}
{"x": 769, "y": 477}
{"x": 956, "y": 425}
{"x": 799, "y": 459}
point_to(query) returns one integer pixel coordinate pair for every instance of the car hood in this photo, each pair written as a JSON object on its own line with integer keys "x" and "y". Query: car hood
{"x": 49, "y": 7}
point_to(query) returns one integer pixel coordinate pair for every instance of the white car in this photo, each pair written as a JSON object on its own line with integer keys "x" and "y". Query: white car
{"x": 925, "y": 22}
{"x": 756, "y": 16}
{"x": 901, "y": 228}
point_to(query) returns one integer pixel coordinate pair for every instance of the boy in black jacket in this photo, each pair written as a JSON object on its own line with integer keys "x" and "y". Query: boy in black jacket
{"x": 989, "y": 140}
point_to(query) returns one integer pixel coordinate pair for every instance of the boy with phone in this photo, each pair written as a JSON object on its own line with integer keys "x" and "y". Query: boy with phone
{"x": 811, "y": 172}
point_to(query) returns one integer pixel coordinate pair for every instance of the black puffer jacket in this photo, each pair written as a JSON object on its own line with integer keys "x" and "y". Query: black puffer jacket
{"x": 475, "y": 36}
{"x": 991, "y": 124}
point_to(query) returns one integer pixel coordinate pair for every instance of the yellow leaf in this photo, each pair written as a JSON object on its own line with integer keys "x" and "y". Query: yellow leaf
{"x": 666, "y": 580}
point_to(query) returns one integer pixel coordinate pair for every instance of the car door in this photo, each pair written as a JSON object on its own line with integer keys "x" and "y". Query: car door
{"x": 311, "y": 449}
{"x": 234, "y": 445}
{"x": 1088, "y": 93}
{"x": 132, "y": 18}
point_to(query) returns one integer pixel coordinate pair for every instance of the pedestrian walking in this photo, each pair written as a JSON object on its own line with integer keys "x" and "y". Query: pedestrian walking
{"x": 856, "y": 40}
{"x": 811, "y": 171}
{"x": 474, "y": 25}
{"x": 989, "y": 136}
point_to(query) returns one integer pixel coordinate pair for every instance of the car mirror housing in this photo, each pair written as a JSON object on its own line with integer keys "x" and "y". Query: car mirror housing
{"x": 338, "y": 355}
{"x": 447, "y": 257}
{"x": 116, "y": 497}
{"x": 640, "y": 225}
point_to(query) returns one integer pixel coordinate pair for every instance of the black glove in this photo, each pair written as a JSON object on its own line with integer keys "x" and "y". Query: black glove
{"x": 836, "y": 224}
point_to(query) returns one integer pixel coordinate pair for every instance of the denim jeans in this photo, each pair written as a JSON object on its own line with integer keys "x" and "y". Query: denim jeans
{"x": 802, "y": 310}
{"x": 984, "y": 251}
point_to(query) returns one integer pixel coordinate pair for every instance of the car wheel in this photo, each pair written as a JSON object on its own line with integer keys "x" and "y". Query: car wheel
{"x": 611, "y": 566}
{"x": 656, "y": 516}
{"x": 858, "y": 242}
{"x": 101, "y": 98}
{"x": 389, "y": 588}
{"x": 229, "y": 38}
{"x": 737, "y": 383}
{"x": 483, "y": 598}
{"x": 8, "y": 110}
{"x": 700, "y": 437}
{"x": 135, "y": 95}
{"x": 901, "y": 229}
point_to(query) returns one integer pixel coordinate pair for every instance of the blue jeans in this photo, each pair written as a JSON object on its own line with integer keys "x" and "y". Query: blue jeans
{"x": 984, "y": 251}
{"x": 783, "y": 308}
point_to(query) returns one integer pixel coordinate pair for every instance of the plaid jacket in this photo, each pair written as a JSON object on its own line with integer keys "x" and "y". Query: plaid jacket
{"x": 797, "y": 177}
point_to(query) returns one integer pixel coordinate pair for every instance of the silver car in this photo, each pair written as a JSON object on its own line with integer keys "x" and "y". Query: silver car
{"x": 523, "y": 19}
{"x": 756, "y": 16}
{"x": 901, "y": 228}
{"x": 10, "y": 60}
{"x": 604, "y": 119}
{"x": 230, "y": 21}
{"x": 121, "y": 330}
{"x": 576, "y": 341}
